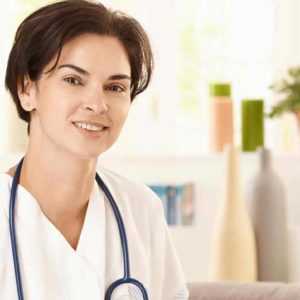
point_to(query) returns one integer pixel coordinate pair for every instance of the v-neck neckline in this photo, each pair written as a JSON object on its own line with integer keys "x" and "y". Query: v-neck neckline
{"x": 47, "y": 244}
{"x": 33, "y": 206}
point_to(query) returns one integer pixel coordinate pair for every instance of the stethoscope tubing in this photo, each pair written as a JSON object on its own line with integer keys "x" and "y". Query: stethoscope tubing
{"x": 12, "y": 227}
{"x": 126, "y": 279}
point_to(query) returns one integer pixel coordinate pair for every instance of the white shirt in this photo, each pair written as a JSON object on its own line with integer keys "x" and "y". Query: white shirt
{"x": 52, "y": 270}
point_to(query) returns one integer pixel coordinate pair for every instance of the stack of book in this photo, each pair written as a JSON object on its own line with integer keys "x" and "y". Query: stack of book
{"x": 178, "y": 202}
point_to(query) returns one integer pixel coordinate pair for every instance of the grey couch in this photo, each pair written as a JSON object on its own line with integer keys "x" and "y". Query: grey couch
{"x": 243, "y": 291}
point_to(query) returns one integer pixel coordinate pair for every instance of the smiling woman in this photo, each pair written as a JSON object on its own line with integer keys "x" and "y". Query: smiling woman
{"x": 74, "y": 69}
{"x": 84, "y": 94}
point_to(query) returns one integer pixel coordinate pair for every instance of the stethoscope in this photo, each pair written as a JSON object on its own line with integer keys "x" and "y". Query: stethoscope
{"x": 126, "y": 279}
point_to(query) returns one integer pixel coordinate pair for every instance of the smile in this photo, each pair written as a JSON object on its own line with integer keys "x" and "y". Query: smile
{"x": 89, "y": 130}
{"x": 89, "y": 127}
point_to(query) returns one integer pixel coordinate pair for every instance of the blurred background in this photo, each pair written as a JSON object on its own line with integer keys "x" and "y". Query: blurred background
{"x": 166, "y": 140}
{"x": 249, "y": 44}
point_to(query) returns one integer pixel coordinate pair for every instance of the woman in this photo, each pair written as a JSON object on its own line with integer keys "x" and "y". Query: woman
{"x": 73, "y": 71}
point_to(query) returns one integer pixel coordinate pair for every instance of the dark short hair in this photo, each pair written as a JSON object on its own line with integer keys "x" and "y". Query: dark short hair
{"x": 42, "y": 35}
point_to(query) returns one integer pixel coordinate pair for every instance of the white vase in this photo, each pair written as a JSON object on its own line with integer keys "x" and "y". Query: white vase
{"x": 267, "y": 207}
{"x": 233, "y": 249}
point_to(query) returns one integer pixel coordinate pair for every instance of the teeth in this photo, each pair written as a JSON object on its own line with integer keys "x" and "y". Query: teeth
{"x": 87, "y": 126}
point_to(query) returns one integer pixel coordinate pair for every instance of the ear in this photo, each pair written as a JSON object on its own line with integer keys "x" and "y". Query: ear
{"x": 27, "y": 94}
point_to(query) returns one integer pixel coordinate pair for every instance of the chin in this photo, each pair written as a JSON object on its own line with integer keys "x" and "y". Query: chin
{"x": 88, "y": 154}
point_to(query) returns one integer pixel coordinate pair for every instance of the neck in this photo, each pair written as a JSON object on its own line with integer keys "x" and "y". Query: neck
{"x": 60, "y": 182}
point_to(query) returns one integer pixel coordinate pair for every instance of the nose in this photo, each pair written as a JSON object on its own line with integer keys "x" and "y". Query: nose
{"x": 97, "y": 105}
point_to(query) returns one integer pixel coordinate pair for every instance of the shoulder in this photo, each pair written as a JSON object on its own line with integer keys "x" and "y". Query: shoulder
{"x": 137, "y": 193}
{"x": 5, "y": 184}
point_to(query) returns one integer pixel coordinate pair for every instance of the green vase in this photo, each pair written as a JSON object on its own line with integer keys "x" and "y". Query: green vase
{"x": 252, "y": 124}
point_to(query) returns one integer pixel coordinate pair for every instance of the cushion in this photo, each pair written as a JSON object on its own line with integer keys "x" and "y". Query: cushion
{"x": 243, "y": 291}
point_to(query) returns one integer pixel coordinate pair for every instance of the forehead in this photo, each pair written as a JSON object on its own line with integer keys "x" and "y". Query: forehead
{"x": 98, "y": 54}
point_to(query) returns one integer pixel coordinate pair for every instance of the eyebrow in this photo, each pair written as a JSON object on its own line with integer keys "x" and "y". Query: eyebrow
{"x": 86, "y": 73}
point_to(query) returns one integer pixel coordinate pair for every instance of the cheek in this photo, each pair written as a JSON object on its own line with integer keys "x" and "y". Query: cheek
{"x": 121, "y": 115}
{"x": 54, "y": 110}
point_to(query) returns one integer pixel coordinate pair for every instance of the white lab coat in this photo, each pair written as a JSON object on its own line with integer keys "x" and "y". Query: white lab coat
{"x": 52, "y": 270}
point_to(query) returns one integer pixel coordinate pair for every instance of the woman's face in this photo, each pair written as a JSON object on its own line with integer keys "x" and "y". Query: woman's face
{"x": 82, "y": 105}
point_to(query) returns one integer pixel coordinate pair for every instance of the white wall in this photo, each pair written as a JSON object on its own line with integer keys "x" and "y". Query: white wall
{"x": 194, "y": 243}
{"x": 207, "y": 172}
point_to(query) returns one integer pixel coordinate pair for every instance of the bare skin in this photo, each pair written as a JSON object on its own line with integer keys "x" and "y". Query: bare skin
{"x": 68, "y": 221}
{"x": 60, "y": 162}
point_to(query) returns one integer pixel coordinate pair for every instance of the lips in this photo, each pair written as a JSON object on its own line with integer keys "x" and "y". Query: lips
{"x": 90, "y": 129}
{"x": 89, "y": 126}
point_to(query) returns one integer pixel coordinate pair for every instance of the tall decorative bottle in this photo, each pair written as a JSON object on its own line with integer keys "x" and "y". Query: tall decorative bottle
{"x": 252, "y": 124}
{"x": 267, "y": 207}
{"x": 233, "y": 248}
{"x": 221, "y": 116}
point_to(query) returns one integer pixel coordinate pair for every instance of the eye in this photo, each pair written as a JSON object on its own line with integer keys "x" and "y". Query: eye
{"x": 116, "y": 88}
{"x": 73, "y": 80}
